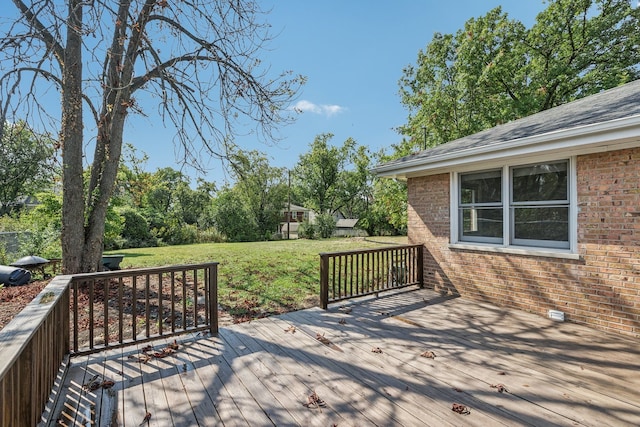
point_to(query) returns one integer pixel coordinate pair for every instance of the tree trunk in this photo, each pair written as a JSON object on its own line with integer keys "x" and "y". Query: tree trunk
{"x": 71, "y": 136}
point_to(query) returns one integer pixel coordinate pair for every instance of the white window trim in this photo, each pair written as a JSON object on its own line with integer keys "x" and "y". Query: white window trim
{"x": 505, "y": 247}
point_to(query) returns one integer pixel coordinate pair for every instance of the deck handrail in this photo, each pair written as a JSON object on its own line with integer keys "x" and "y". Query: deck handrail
{"x": 37, "y": 341}
{"x": 352, "y": 274}
{"x": 164, "y": 301}
{"x": 34, "y": 346}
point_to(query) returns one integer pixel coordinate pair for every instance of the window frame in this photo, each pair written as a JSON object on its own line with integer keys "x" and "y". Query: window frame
{"x": 508, "y": 243}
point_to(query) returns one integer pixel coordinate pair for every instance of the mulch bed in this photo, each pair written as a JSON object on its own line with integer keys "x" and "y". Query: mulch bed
{"x": 14, "y": 298}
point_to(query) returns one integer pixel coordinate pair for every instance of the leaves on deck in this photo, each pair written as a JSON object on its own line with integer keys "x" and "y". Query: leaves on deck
{"x": 376, "y": 350}
{"x": 146, "y": 419}
{"x": 428, "y": 354}
{"x": 96, "y": 382}
{"x": 342, "y": 322}
{"x": 314, "y": 401}
{"x": 147, "y": 353}
{"x": 324, "y": 340}
{"x": 291, "y": 329}
{"x": 460, "y": 409}
{"x": 501, "y": 388}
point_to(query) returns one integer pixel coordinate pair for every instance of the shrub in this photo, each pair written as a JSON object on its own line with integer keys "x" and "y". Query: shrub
{"x": 307, "y": 230}
{"x": 326, "y": 225}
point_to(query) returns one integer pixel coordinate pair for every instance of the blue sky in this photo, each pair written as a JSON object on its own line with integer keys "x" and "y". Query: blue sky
{"x": 352, "y": 53}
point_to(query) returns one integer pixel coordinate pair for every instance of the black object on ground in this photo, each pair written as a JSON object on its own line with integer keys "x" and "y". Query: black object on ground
{"x": 14, "y": 276}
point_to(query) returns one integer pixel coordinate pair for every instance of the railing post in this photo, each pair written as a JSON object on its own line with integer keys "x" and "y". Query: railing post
{"x": 421, "y": 266}
{"x": 324, "y": 281}
{"x": 213, "y": 299}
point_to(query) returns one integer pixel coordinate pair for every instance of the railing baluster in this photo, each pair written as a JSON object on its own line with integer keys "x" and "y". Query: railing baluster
{"x": 147, "y": 305}
{"x": 173, "y": 302}
{"x": 120, "y": 312}
{"x": 134, "y": 307}
{"x": 195, "y": 298}
{"x": 184, "y": 299}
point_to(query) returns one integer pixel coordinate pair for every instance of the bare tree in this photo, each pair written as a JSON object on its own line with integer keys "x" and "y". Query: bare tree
{"x": 196, "y": 62}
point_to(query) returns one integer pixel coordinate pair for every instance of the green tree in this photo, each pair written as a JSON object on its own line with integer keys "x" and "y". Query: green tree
{"x": 26, "y": 164}
{"x": 106, "y": 58}
{"x": 232, "y": 218}
{"x": 320, "y": 176}
{"x": 262, "y": 189}
{"x": 495, "y": 70}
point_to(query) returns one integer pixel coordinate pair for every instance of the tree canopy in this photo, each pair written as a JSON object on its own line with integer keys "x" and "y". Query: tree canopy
{"x": 495, "y": 70}
{"x": 26, "y": 164}
{"x": 194, "y": 64}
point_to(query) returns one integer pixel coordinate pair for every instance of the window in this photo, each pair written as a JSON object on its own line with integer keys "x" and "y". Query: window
{"x": 515, "y": 205}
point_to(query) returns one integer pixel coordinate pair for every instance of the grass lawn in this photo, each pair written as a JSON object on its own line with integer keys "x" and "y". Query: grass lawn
{"x": 258, "y": 278}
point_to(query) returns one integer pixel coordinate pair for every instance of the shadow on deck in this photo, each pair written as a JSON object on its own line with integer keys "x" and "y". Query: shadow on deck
{"x": 366, "y": 363}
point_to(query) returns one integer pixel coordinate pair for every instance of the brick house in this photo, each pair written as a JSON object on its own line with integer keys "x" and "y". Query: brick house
{"x": 542, "y": 213}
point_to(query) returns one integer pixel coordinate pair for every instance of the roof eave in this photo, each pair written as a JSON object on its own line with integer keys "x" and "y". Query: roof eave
{"x": 604, "y": 136}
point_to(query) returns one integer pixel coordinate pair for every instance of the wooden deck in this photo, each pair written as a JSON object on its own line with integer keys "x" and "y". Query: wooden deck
{"x": 367, "y": 368}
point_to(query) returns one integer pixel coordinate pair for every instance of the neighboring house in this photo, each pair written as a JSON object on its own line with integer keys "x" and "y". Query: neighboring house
{"x": 346, "y": 227}
{"x": 540, "y": 213}
{"x": 298, "y": 214}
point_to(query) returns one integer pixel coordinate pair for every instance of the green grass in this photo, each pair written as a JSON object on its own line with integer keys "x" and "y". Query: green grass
{"x": 258, "y": 278}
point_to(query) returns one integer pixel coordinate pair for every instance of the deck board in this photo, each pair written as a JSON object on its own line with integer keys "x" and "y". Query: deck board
{"x": 261, "y": 372}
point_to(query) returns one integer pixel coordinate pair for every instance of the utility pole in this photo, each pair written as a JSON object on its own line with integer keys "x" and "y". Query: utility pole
{"x": 289, "y": 208}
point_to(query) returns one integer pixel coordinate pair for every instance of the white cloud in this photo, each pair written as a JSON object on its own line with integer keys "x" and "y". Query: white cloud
{"x": 304, "y": 106}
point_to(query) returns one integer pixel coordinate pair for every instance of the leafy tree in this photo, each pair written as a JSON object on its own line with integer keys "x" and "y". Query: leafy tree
{"x": 263, "y": 190}
{"x": 325, "y": 225}
{"x": 26, "y": 164}
{"x": 495, "y": 70}
{"x": 206, "y": 82}
{"x": 232, "y": 217}
{"x": 320, "y": 177}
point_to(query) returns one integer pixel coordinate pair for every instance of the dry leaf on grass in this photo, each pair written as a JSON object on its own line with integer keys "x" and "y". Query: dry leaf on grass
{"x": 460, "y": 409}
{"x": 376, "y": 350}
{"x": 428, "y": 354}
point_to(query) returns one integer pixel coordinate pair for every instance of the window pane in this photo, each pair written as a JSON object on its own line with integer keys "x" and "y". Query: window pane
{"x": 481, "y": 187}
{"x": 481, "y": 222}
{"x": 542, "y": 223}
{"x": 540, "y": 182}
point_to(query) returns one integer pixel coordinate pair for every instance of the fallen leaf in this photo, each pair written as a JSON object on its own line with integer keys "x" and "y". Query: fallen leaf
{"x": 376, "y": 350}
{"x": 314, "y": 401}
{"x": 502, "y": 373}
{"x": 342, "y": 322}
{"x": 107, "y": 384}
{"x": 322, "y": 338}
{"x": 174, "y": 345}
{"x": 147, "y": 348}
{"x": 460, "y": 409}
{"x": 146, "y": 418}
{"x": 501, "y": 387}
{"x": 459, "y": 390}
{"x": 291, "y": 329}
{"x": 429, "y": 354}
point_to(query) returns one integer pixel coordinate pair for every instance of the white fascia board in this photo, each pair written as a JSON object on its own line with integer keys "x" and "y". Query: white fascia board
{"x": 611, "y": 135}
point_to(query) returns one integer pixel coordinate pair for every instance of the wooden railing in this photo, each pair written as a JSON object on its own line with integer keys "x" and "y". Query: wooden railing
{"x": 116, "y": 308}
{"x": 352, "y": 274}
{"x": 33, "y": 347}
{"x": 91, "y": 312}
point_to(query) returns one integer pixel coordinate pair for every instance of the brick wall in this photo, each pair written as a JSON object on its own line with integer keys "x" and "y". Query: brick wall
{"x": 602, "y": 289}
